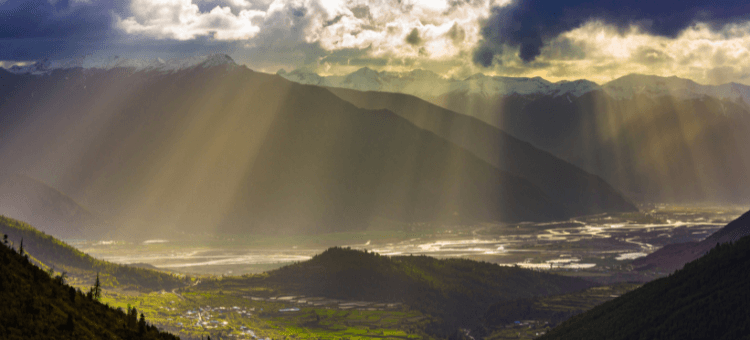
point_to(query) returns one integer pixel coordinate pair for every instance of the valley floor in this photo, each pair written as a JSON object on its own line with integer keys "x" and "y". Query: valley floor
{"x": 598, "y": 248}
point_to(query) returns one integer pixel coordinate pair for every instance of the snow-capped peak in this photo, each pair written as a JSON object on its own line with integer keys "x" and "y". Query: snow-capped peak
{"x": 656, "y": 86}
{"x": 172, "y": 65}
{"x": 40, "y": 67}
{"x": 46, "y": 66}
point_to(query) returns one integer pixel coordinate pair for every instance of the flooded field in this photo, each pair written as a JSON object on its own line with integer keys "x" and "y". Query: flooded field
{"x": 595, "y": 244}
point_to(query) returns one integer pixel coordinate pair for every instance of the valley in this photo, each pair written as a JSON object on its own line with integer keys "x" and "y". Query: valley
{"x": 221, "y": 302}
{"x": 597, "y": 245}
{"x": 406, "y": 170}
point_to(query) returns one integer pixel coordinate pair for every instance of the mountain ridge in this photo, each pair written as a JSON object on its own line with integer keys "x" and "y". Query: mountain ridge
{"x": 193, "y": 149}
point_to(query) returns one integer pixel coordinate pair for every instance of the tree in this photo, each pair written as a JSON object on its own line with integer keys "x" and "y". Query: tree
{"x": 70, "y": 324}
{"x": 5, "y": 239}
{"x": 142, "y": 324}
{"x": 20, "y": 249}
{"x": 96, "y": 290}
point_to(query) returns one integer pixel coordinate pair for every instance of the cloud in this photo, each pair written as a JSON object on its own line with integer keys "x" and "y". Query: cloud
{"x": 413, "y": 37}
{"x": 183, "y": 20}
{"x": 526, "y": 25}
{"x": 23, "y": 19}
{"x": 44, "y": 28}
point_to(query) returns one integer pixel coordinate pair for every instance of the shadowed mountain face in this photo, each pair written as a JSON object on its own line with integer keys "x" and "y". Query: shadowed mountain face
{"x": 579, "y": 192}
{"x": 225, "y": 148}
{"x": 673, "y": 256}
{"x": 652, "y": 147}
{"x": 53, "y": 212}
{"x": 652, "y": 138}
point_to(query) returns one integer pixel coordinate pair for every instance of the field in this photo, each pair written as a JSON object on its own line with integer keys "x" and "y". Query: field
{"x": 194, "y": 315}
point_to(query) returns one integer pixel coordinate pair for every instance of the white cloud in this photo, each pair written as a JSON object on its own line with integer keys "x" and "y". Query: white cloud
{"x": 335, "y": 24}
{"x": 444, "y": 35}
{"x": 698, "y": 53}
{"x": 183, "y": 20}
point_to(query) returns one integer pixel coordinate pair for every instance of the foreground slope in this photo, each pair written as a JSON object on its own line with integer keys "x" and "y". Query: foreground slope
{"x": 54, "y": 254}
{"x": 673, "y": 256}
{"x": 53, "y": 212}
{"x": 37, "y": 306}
{"x": 707, "y": 299}
{"x": 457, "y": 291}
{"x": 220, "y": 147}
{"x": 579, "y": 192}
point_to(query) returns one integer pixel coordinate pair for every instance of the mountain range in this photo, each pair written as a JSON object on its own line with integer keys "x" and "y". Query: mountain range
{"x": 208, "y": 145}
{"x": 657, "y": 139}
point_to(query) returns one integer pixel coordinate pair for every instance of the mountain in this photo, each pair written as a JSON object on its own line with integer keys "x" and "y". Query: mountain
{"x": 222, "y": 148}
{"x": 37, "y": 306}
{"x": 51, "y": 253}
{"x": 431, "y": 86}
{"x": 579, "y": 192}
{"x": 654, "y": 86}
{"x": 456, "y": 290}
{"x": 651, "y": 148}
{"x": 53, "y": 212}
{"x": 654, "y": 139}
{"x": 673, "y": 256}
{"x": 705, "y": 300}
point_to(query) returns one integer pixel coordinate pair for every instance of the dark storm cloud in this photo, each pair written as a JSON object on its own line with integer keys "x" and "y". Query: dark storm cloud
{"x": 33, "y": 28}
{"x": 529, "y": 24}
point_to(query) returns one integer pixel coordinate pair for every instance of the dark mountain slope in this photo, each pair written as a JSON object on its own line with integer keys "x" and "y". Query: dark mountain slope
{"x": 226, "y": 148}
{"x": 705, "y": 300}
{"x": 674, "y": 256}
{"x": 37, "y": 306}
{"x": 456, "y": 290}
{"x": 53, "y": 212}
{"x": 652, "y": 148}
{"x": 53, "y": 253}
{"x": 580, "y": 192}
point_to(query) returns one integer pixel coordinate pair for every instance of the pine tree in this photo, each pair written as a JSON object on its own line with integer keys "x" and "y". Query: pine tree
{"x": 97, "y": 289}
{"x": 70, "y": 324}
{"x": 20, "y": 249}
{"x": 142, "y": 324}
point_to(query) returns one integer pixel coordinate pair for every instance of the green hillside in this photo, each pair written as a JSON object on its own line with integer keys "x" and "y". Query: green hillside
{"x": 458, "y": 291}
{"x": 36, "y": 305}
{"x": 707, "y": 299}
{"x": 55, "y": 254}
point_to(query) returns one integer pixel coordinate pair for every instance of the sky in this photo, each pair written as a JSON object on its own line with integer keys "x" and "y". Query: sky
{"x": 708, "y": 42}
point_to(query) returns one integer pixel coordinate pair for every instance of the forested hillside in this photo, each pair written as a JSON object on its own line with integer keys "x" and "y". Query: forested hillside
{"x": 36, "y": 305}
{"x": 458, "y": 291}
{"x": 707, "y": 299}
{"x": 53, "y": 253}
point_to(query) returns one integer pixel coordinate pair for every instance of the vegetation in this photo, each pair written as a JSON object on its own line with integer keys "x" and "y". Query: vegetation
{"x": 455, "y": 291}
{"x": 223, "y": 315}
{"x": 707, "y": 299}
{"x": 55, "y": 254}
{"x": 527, "y": 318}
{"x": 36, "y": 305}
